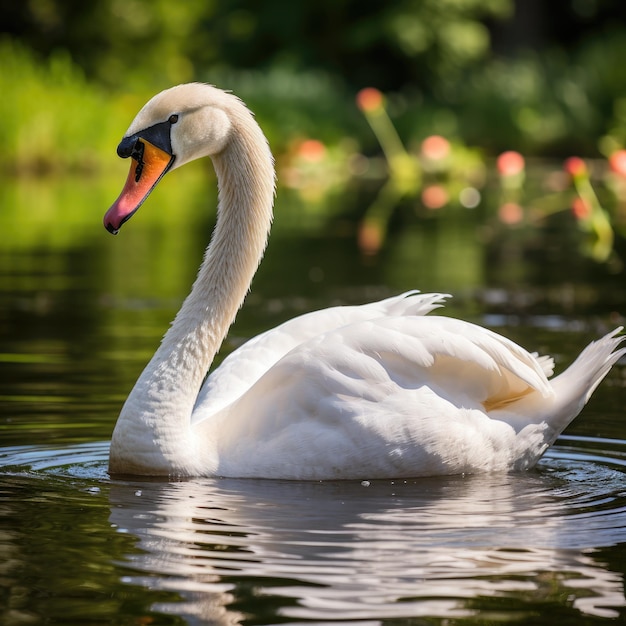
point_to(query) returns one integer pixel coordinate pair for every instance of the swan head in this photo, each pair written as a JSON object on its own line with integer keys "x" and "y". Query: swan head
{"x": 176, "y": 126}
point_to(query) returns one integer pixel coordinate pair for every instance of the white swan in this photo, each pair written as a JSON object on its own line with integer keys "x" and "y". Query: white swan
{"x": 373, "y": 391}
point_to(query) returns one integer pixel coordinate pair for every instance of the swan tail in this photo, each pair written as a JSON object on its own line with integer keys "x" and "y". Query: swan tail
{"x": 576, "y": 384}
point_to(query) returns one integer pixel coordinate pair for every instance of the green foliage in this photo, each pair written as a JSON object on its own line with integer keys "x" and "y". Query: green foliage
{"x": 134, "y": 43}
{"x": 299, "y": 64}
{"x": 443, "y": 36}
{"x": 293, "y": 105}
{"x": 60, "y": 120}
{"x": 549, "y": 103}
{"x": 68, "y": 72}
{"x": 65, "y": 122}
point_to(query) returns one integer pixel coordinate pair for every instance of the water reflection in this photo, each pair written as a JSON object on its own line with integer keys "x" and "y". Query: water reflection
{"x": 350, "y": 551}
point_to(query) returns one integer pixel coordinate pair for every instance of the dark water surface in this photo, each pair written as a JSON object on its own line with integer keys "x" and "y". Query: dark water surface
{"x": 80, "y": 314}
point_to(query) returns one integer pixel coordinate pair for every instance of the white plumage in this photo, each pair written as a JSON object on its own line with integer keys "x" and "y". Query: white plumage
{"x": 381, "y": 390}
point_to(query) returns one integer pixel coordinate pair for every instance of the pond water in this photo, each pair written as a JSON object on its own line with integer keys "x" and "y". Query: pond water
{"x": 80, "y": 314}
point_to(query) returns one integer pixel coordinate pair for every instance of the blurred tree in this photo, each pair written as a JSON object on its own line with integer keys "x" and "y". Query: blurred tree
{"x": 427, "y": 44}
{"x": 365, "y": 41}
{"x": 566, "y": 24}
{"x": 114, "y": 41}
{"x": 544, "y": 76}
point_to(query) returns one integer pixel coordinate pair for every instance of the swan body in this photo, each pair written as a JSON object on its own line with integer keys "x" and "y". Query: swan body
{"x": 382, "y": 390}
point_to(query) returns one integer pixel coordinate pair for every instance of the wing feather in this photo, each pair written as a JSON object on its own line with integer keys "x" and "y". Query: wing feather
{"x": 248, "y": 363}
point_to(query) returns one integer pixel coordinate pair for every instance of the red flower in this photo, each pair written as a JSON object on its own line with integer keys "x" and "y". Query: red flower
{"x": 575, "y": 167}
{"x": 617, "y": 162}
{"x": 370, "y": 237}
{"x": 510, "y": 163}
{"x": 434, "y": 197}
{"x": 312, "y": 150}
{"x": 510, "y": 213}
{"x": 369, "y": 99}
{"x": 435, "y": 147}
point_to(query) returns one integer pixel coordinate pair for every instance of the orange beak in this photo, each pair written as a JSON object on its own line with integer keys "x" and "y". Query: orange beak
{"x": 149, "y": 164}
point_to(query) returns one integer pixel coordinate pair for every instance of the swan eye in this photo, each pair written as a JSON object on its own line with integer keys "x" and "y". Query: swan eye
{"x": 173, "y": 119}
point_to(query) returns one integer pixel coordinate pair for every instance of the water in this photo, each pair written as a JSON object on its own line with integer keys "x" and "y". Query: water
{"x": 77, "y": 546}
{"x": 80, "y": 314}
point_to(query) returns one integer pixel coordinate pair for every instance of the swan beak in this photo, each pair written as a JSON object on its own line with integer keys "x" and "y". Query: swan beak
{"x": 149, "y": 164}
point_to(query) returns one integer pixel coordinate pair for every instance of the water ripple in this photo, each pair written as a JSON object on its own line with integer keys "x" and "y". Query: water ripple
{"x": 447, "y": 547}
{"x": 88, "y": 460}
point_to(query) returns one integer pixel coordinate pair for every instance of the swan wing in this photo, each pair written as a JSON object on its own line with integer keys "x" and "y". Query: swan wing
{"x": 243, "y": 367}
{"x": 388, "y": 396}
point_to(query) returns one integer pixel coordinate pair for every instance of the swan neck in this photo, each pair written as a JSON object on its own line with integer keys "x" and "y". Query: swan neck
{"x": 163, "y": 398}
{"x": 245, "y": 175}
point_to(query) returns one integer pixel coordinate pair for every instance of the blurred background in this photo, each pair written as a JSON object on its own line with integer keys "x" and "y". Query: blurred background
{"x": 483, "y": 140}
{"x": 456, "y": 83}
{"x": 543, "y": 78}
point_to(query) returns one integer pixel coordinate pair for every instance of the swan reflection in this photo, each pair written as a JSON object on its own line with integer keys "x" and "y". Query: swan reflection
{"x": 337, "y": 551}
